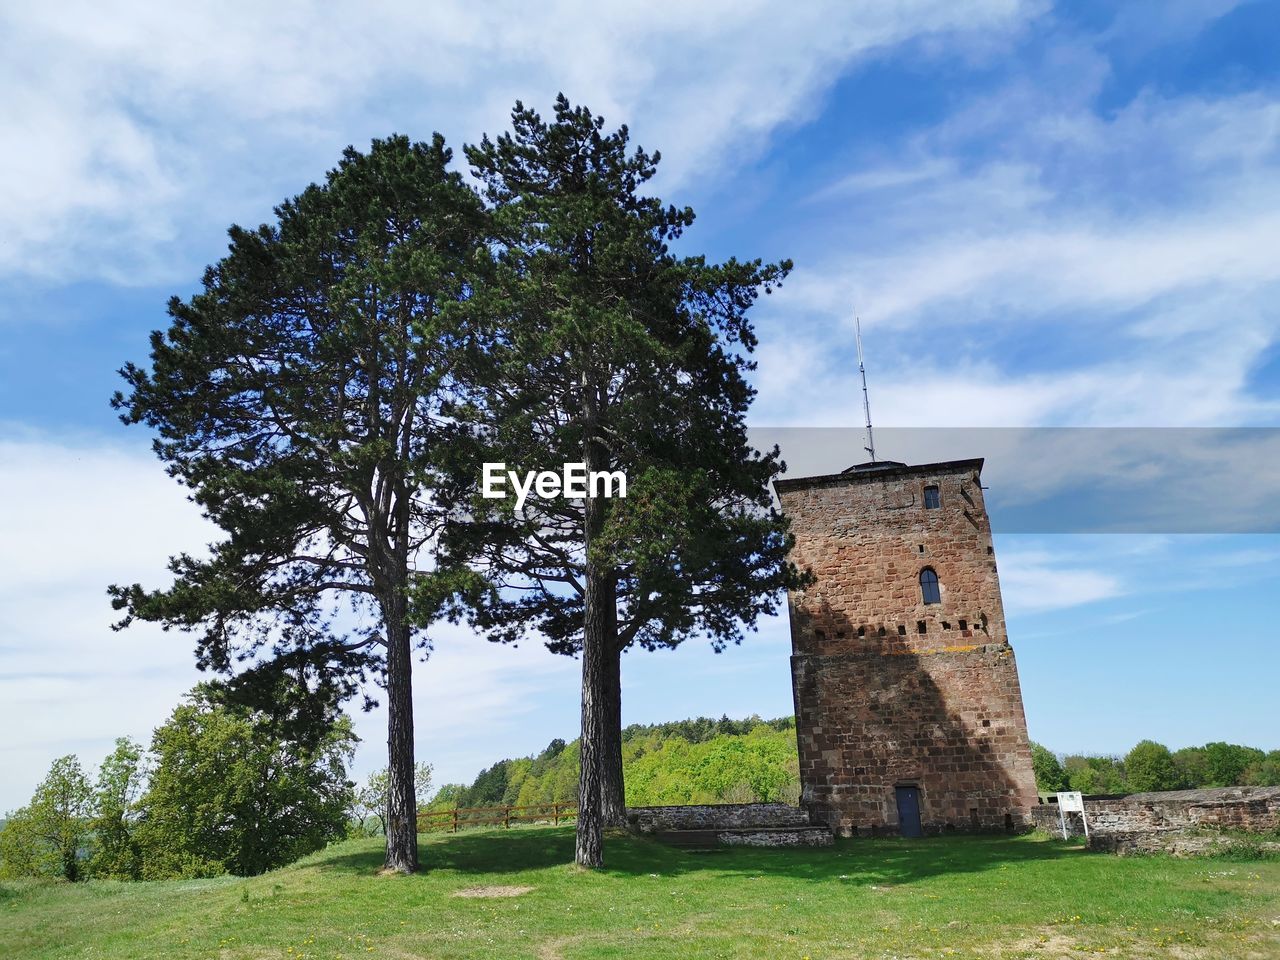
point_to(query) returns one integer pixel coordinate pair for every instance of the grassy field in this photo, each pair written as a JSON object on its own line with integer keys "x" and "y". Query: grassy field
{"x": 500, "y": 894}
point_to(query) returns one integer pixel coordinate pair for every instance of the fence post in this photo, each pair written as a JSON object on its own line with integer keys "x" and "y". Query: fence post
{"x": 555, "y": 813}
{"x": 506, "y": 817}
{"x": 455, "y": 819}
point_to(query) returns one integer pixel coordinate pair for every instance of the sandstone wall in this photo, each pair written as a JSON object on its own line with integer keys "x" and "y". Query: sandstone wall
{"x": 1146, "y": 822}
{"x": 716, "y": 816}
{"x": 890, "y": 690}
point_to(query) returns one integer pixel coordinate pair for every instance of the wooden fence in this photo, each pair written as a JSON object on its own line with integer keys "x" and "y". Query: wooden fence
{"x": 460, "y": 817}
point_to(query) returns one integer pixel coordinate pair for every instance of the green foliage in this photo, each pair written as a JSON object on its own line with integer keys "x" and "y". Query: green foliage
{"x": 759, "y": 765}
{"x": 1264, "y": 772}
{"x": 46, "y": 837}
{"x": 1149, "y": 766}
{"x": 688, "y": 761}
{"x": 298, "y": 395}
{"x": 616, "y": 352}
{"x": 1050, "y": 777}
{"x": 369, "y": 802}
{"x": 1095, "y": 774}
{"x": 1192, "y": 766}
{"x": 229, "y": 796}
{"x": 120, "y": 782}
{"x": 1227, "y": 762}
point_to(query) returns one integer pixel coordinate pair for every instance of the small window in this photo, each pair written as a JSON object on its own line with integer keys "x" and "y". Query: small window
{"x": 929, "y": 586}
{"x": 932, "y": 498}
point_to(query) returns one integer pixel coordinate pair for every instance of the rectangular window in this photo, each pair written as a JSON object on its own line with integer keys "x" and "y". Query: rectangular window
{"x": 932, "y": 498}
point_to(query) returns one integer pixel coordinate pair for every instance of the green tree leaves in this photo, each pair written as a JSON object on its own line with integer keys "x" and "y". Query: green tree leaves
{"x": 48, "y": 837}
{"x": 1149, "y": 766}
{"x": 688, "y": 761}
{"x": 369, "y": 801}
{"x": 121, "y": 780}
{"x": 1050, "y": 777}
{"x": 228, "y": 796}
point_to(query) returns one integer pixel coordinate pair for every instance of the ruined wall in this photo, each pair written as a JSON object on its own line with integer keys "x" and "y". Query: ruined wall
{"x": 713, "y": 816}
{"x": 890, "y": 690}
{"x": 1170, "y": 820}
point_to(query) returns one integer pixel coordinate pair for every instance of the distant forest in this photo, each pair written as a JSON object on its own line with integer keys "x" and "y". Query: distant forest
{"x": 1153, "y": 766}
{"x": 688, "y": 761}
{"x": 742, "y": 761}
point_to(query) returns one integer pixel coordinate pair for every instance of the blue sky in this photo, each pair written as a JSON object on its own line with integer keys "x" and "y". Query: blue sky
{"x": 1046, "y": 214}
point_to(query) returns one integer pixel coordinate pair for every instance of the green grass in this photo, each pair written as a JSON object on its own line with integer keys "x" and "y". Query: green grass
{"x": 955, "y": 896}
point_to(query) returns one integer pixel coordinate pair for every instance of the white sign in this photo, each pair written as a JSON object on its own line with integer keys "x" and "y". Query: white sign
{"x": 1071, "y": 802}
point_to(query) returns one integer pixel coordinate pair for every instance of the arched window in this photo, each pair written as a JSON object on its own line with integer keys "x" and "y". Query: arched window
{"x": 929, "y": 586}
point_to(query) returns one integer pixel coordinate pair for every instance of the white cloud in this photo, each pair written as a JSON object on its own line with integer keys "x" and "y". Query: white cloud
{"x": 80, "y": 515}
{"x": 140, "y": 131}
{"x": 1028, "y": 223}
{"x": 1035, "y": 584}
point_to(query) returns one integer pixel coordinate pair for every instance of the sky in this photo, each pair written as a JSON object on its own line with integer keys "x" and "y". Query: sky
{"x": 1047, "y": 215}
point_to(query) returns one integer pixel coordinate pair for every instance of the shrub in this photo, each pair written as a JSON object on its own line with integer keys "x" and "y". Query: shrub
{"x": 1050, "y": 777}
{"x": 229, "y": 795}
{"x": 1149, "y": 766}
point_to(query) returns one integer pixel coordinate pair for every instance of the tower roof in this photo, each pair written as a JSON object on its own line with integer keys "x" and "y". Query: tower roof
{"x": 879, "y": 470}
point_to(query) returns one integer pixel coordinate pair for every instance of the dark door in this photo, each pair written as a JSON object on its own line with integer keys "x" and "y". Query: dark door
{"x": 908, "y": 811}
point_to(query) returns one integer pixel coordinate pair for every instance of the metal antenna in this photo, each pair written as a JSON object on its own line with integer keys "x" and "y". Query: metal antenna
{"x": 866, "y": 400}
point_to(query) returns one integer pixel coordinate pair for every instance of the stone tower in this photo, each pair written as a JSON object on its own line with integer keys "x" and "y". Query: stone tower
{"x": 908, "y": 711}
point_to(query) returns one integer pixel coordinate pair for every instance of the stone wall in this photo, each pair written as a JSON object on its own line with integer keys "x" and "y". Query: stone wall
{"x": 1144, "y": 822}
{"x": 716, "y": 816}
{"x": 890, "y": 690}
{"x": 775, "y": 838}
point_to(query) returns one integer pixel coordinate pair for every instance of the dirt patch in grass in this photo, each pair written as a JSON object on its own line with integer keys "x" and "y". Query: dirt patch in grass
{"x": 492, "y": 891}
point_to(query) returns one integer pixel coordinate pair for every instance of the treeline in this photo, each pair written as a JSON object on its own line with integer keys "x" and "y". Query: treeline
{"x": 688, "y": 761}
{"x": 222, "y": 789}
{"x": 704, "y": 760}
{"x": 1153, "y": 766}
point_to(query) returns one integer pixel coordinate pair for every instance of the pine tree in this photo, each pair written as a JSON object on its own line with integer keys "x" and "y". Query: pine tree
{"x": 302, "y": 396}
{"x": 610, "y": 351}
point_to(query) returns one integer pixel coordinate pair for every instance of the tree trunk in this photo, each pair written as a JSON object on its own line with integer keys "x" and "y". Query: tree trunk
{"x": 400, "y": 822}
{"x": 589, "y": 849}
{"x": 613, "y": 804}
{"x": 597, "y": 601}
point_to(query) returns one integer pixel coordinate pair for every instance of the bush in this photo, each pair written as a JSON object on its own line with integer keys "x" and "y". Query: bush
{"x": 1264, "y": 772}
{"x": 47, "y": 836}
{"x": 228, "y": 795}
{"x": 1150, "y": 766}
{"x": 1050, "y": 777}
{"x": 1227, "y": 763}
{"x": 1095, "y": 774}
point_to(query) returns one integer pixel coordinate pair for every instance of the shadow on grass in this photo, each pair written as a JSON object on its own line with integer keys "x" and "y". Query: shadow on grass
{"x": 887, "y": 861}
